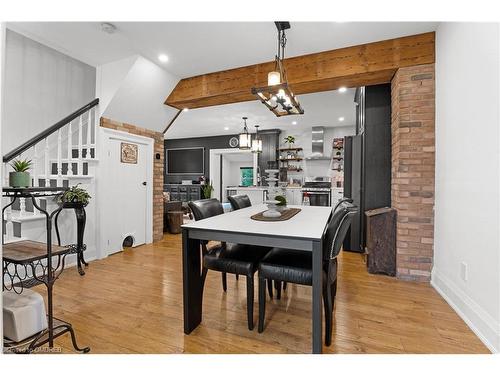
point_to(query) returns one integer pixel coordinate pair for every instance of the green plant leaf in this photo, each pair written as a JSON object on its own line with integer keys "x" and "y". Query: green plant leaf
{"x": 21, "y": 165}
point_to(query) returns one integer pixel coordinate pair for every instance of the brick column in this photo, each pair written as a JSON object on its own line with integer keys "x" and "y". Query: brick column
{"x": 413, "y": 164}
{"x": 158, "y": 165}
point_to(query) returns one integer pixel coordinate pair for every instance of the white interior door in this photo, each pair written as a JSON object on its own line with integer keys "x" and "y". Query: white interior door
{"x": 126, "y": 196}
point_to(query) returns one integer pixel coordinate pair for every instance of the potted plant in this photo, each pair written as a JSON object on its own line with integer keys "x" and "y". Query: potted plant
{"x": 75, "y": 197}
{"x": 207, "y": 190}
{"x": 290, "y": 140}
{"x": 281, "y": 205}
{"x": 20, "y": 177}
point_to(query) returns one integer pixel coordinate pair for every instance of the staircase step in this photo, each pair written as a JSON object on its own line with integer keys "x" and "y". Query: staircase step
{"x": 27, "y": 216}
{"x": 67, "y": 177}
{"x": 74, "y": 160}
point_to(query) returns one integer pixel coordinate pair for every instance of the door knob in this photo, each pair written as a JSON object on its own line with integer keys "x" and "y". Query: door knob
{"x": 144, "y": 183}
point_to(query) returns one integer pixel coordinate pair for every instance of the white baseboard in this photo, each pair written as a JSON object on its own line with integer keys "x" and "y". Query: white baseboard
{"x": 486, "y": 328}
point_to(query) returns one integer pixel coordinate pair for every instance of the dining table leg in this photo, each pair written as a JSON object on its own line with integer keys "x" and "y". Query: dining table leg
{"x": 317, "y": 297}
{"x": 192, "y": 282}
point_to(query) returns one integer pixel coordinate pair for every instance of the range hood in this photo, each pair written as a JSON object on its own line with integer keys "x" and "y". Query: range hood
{"x": 318, "y": 144}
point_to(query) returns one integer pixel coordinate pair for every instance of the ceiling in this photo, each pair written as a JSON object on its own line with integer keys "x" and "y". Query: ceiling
{"x": 320, "y": 109}
{"x": 196, "y": 48}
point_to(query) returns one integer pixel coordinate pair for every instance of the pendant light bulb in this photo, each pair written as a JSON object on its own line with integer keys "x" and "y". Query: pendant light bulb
{"x": 273, "y": 78}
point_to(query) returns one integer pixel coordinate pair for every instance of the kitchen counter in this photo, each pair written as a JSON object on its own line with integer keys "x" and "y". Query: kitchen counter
{"x": 246, "y": 188}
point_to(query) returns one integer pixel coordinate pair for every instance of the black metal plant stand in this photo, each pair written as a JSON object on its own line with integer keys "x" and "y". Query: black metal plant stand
{"x": 27, "y": 261}
{"x": 81, "y": 218}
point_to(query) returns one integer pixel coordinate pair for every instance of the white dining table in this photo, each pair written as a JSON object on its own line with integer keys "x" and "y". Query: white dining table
{"x": 304, "y": 231}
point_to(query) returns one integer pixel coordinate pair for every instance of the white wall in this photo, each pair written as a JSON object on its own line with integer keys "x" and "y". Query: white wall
{"x": 467, "y": 221}
{"x": 42, "y": 86}
{"x": 134, "y": 90}
{"x": 109, "y": 78}
{"x": 303, "y": 137}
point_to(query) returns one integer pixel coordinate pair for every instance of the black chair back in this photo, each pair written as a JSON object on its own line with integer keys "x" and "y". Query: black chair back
{"x": 337, "y": 230}
{"x": 206, "y": 208}
{"x": 341, "y": 202}
{"x": 239, "y": 201}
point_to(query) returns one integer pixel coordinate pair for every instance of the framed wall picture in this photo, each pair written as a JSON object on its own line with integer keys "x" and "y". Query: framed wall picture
{"x": 128, "y": 153}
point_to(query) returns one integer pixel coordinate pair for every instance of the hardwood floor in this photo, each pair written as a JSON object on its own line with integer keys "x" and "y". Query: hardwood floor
{"x": 131, "y": 302}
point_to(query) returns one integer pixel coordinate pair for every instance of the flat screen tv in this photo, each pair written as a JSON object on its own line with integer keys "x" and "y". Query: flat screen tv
{"x": 186, "y": 161}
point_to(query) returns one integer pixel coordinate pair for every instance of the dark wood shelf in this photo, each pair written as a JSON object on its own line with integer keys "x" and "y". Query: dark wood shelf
{"x": 291, "y": 149}
{"x": 23, "y": 252}
{"x": 292, "y": 159}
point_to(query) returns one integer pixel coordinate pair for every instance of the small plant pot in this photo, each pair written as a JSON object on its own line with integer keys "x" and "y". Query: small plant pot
{"x": 19, "y": 179}
{"x": 74, "y": 205}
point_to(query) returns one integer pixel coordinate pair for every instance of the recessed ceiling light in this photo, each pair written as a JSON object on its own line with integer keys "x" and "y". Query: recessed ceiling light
{"x": 186, "y": 109}
{"x": 342, "y": 89}
{"x": 294, "y": 122}
{"x": 226, "y": 128}
{"x": 341, "y": 119}
{"x": 163, "y": 58}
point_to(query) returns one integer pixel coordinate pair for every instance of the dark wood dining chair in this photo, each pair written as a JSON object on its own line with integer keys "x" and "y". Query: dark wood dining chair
{"x": 295, "y": 266}
{"x": 228, "y": 258}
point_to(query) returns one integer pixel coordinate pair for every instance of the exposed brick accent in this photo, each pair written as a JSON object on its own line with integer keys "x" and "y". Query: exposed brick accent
{"x": 413, "y": 163}
{"x": 158, "y": 165}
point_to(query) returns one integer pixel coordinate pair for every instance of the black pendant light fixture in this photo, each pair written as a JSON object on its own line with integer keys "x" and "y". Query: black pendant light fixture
{"x": 277, "y": 95}
{"x": 257, "y": 142}
{"x": 245, "y": 136}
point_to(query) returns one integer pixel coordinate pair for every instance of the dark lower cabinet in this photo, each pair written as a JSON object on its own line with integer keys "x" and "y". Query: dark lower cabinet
{"x": 183, "y": 193}
{"x": 270, "y": 150}
{"x": 381, "y": 241}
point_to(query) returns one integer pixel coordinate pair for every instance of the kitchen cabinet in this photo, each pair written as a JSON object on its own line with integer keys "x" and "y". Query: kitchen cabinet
{"x": 183, "y": 193}
{"x": 294, "y": 196}
{"x": 270, "y": 146}
{"x": 257, "y": 196}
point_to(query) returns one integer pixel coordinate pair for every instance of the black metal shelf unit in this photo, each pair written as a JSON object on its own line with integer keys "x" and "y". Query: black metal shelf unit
{"x": 27, "y": 261}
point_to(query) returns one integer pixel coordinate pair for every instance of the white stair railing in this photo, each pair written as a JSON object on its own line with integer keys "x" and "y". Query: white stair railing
{"x": 41, "y": 147}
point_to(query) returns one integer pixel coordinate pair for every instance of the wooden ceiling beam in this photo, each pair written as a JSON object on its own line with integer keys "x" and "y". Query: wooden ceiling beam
{"x": 366, "y": 64}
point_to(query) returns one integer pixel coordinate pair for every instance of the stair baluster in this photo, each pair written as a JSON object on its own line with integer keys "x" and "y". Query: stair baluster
{"x": 70, "y": 151}
{"x": 35, "y": 177}
{"x": 80, "y": 152}
{"x": 89, "y": 130}
{"x": 59, "y": 157}
{"x": 22, "y": 207}
{"x": 47, "y": 162}
{"x": 9, "y": 225}
{"x": 95, "y": 126}
{"x": 5, "y": 174}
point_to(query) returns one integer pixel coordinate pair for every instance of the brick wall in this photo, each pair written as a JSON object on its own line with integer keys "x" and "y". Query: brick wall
{"x": 158, "y": 165}
{"x": 413, "y": 164}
